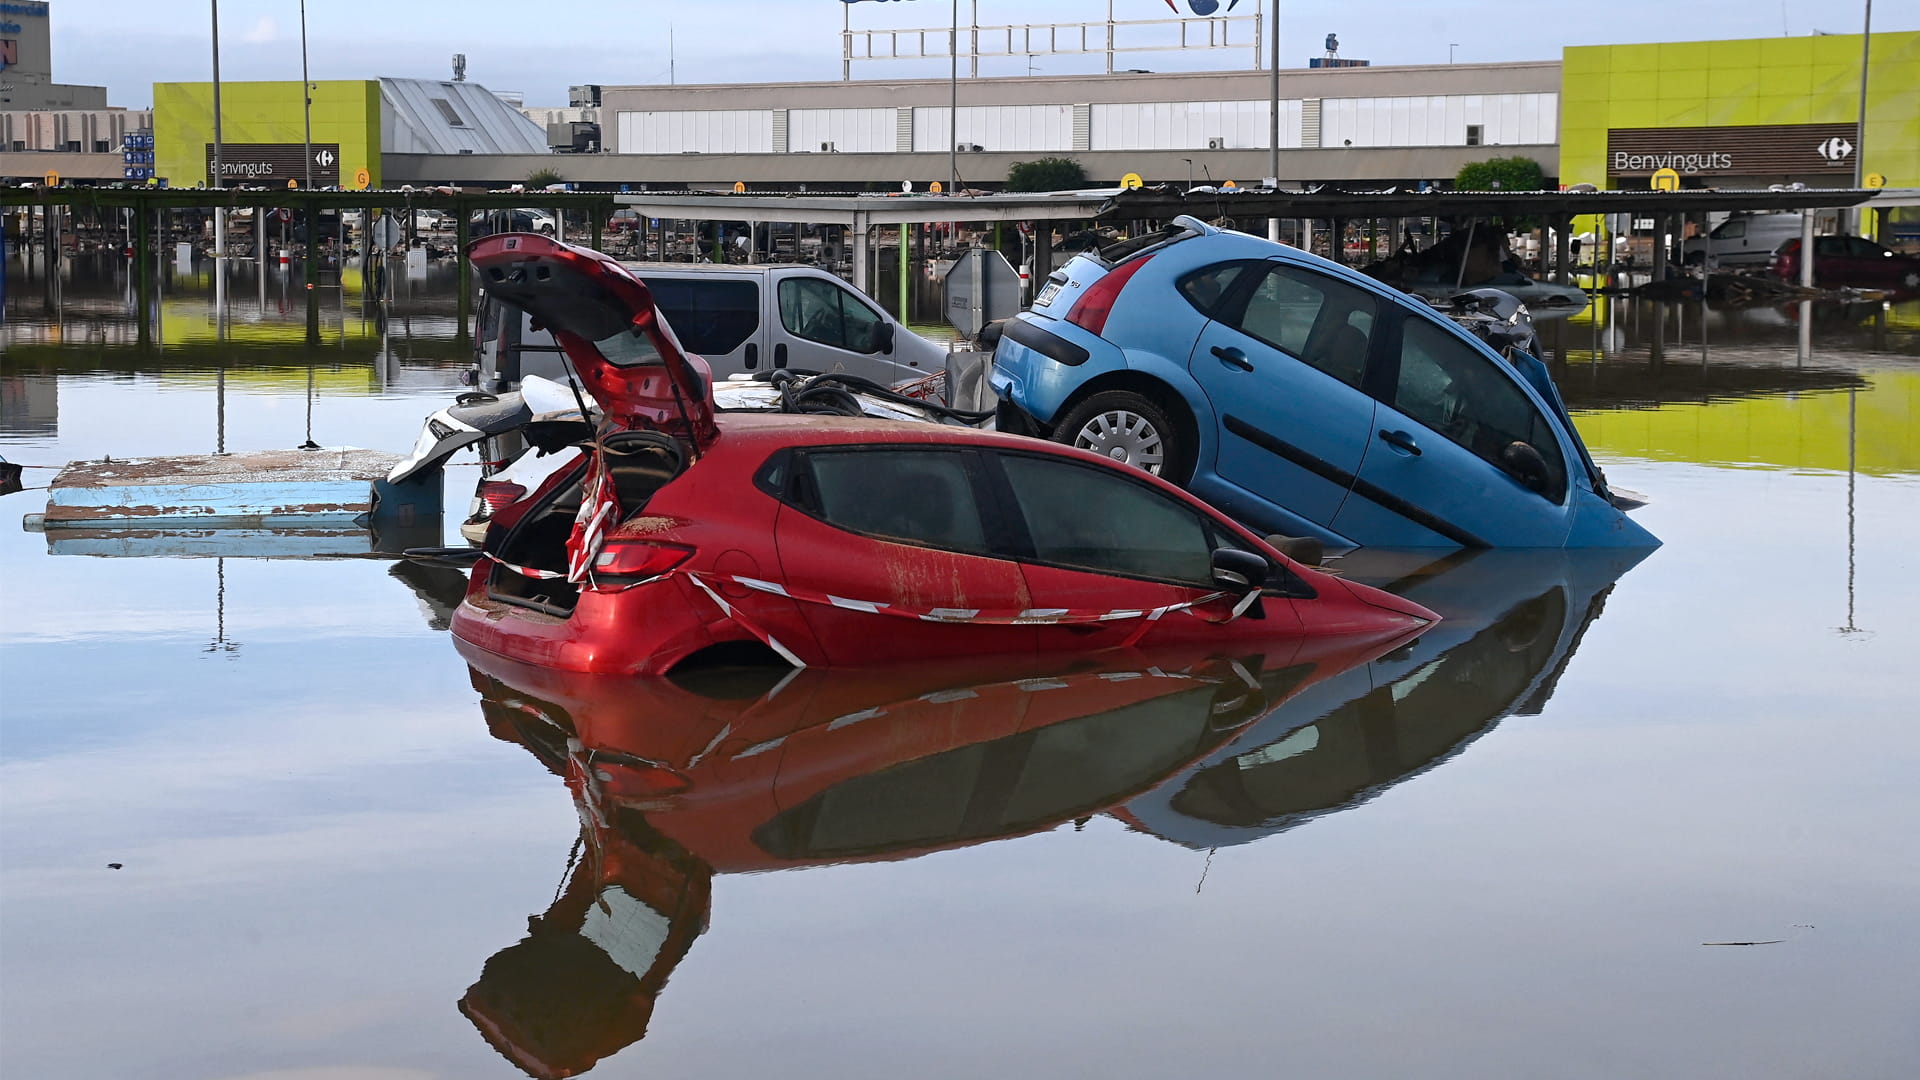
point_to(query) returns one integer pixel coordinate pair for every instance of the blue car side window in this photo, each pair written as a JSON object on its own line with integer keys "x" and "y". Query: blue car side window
{"x": 1318, "y": 320}
{"x": 1450, "y": 387}
{"x": 1208, "y": 287}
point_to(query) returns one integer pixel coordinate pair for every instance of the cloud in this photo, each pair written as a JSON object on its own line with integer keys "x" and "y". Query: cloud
{"x": 262, "y": 32}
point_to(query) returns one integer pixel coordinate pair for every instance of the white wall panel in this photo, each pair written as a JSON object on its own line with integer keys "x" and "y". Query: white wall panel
{"x": 996, "y": 127}
{"x": 1188, "y": 125}
{"x": 851, "y": 131}
{"x": 1506, "y": 119}
{"x": 733, "y": 131}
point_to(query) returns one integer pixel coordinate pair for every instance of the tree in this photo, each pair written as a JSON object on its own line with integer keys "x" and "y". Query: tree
{"x": 543, "y": 176}
{"x": 1501, "y": 174}
{"x": 1046, "y": 174}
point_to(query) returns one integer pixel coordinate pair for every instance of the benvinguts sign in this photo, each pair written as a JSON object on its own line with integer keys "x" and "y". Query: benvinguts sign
{"x": 1761, "y": 150}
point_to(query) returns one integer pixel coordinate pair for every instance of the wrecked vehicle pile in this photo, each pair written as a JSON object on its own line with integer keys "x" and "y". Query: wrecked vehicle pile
{"x": 681, "y": 535}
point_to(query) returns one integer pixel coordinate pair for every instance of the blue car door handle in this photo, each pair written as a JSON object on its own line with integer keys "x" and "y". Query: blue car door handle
{"x": 1400, "y": 440}
{"x": 1233, "y": 357}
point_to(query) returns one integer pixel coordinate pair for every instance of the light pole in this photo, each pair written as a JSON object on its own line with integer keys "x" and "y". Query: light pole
{"x": 1860, "y": 130}
{"x": 215, "y": 5}
{"x": 1451, "y": 45}
{"x": 306, "y": 99}
{"x": 953, "y": 107}
{"x": 1273, "y": 120}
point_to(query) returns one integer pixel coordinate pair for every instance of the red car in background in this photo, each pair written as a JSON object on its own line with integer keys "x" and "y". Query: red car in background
{"x": 683, "y": 534}
{"x": 624, "y": 220}
{"x": 1848, "y": 260}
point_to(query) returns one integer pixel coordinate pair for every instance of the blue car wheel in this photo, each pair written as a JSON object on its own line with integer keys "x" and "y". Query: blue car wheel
{"x": 1130, "y": 429}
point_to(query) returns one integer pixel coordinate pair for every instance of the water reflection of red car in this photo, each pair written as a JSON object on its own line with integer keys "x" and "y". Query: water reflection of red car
{"x": 676, "y": 781}
{"x": 1848, "y": 260}
{"x": 686, "y": 534}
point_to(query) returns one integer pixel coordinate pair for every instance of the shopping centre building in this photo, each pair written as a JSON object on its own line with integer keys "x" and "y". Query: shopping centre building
{"x": 1744, "y": 113}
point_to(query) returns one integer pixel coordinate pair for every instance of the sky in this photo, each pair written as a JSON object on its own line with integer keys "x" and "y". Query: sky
{"x": 541, "y": 48}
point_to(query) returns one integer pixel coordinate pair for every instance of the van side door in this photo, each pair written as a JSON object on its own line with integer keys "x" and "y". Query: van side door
{"x": 717, "y": 317}
{"x": 822, "y": 324}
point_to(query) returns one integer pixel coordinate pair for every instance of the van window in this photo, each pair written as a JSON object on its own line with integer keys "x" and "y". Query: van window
{"x": 819, "y": 310}
{"x": 712, "y": 318}
{"x": 1731, "y": 230}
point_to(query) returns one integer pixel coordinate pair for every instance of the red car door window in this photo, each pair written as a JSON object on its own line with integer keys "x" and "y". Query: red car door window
{"x": 916, "y": 496}
{"x": 1091, "y": 520}
{"x": 899, "y": 528}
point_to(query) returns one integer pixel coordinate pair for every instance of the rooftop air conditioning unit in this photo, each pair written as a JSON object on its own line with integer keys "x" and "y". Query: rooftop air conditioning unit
{"x": 1216, "y": 144}
{"x": 969, "y": 148}
{"x": 827, "y": 148}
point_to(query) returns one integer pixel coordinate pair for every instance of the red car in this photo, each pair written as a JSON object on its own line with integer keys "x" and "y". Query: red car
{"x": 683, "y": 535}
{"x": 1848, "y": 260}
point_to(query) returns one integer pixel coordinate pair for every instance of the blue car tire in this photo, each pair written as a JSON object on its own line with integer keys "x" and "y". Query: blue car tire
{"x": 1131, "y": 429}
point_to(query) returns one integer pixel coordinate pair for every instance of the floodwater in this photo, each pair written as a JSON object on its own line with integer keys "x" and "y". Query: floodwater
{"x": 1614, "y": 817}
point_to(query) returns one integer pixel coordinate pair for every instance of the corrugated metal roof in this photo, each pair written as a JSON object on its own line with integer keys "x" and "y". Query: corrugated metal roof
{"x": 427, "y": 116}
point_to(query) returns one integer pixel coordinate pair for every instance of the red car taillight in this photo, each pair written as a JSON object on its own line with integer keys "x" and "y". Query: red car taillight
{"x": 639, "y": 558}
{"x": 499, "y": 494}
{"x": 1091, "y": 310}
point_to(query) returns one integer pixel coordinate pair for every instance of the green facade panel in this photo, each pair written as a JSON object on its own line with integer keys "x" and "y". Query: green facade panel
{"x": 346, "y": 112}
{"x": 1743, "y": 83}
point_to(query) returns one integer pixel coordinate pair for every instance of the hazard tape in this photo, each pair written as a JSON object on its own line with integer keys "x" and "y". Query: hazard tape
{"x": 958, "y": 616}
{"x": 978, "y": 616}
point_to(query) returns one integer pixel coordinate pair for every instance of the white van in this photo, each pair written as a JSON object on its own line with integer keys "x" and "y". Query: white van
{"x": 1742, "y": 240}
{"x": 742, "y": 320}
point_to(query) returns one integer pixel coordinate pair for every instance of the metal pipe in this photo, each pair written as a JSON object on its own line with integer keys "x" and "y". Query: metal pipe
{"x": 1806, "y": 250}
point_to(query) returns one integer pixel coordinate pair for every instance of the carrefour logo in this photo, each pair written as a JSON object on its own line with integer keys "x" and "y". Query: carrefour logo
{"x": 1203, "y": 7}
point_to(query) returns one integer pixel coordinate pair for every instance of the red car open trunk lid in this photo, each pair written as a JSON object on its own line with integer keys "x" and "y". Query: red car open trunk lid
{"x": 605, "y": 319}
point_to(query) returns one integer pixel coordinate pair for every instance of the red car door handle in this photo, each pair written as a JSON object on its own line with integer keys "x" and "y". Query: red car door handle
{"x": 1233, "y": 357}
{"x": 1400, "y": 440}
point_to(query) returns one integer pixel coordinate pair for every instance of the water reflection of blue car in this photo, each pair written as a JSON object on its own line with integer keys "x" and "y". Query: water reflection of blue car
{"x": 1302, "y": 398}
{"x": 1513, "y": 620}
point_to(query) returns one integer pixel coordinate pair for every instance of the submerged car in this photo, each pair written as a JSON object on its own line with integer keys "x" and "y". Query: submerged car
{"x": 1848, "y": 260}
{"x": 1301, "y": 398}
{"x": 682, "y": 534}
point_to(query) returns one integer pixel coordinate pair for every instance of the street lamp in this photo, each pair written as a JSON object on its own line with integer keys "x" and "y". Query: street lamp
{"x": 1451, "y": 45}
{"x": 306, "y": 99}
{"x": 215, "y": 5}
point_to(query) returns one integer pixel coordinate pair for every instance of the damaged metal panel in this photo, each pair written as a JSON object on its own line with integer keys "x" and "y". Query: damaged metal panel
{"x": 262, "y": 488}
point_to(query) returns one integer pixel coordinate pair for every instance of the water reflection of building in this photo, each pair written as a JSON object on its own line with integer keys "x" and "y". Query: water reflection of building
{"x": 675, "y": 784}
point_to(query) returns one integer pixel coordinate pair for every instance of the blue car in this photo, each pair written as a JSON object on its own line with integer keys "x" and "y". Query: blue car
{"x": 1302, "y": 398}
